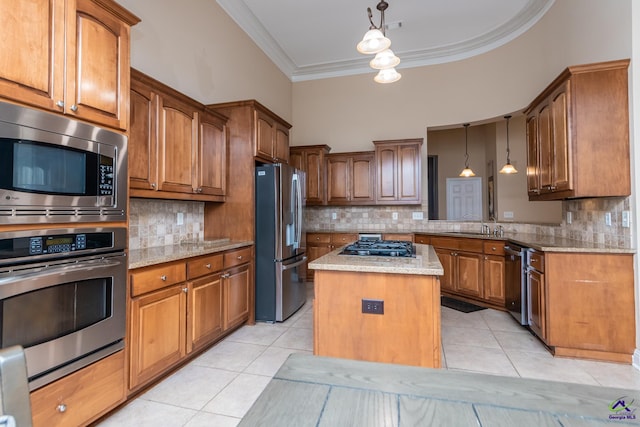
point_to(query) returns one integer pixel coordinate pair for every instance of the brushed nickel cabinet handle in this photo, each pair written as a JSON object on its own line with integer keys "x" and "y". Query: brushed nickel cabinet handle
{"x": 208, "y": 266}
{"x": 74, "y": 108}
{"x": 163, "y": 278}
{"x": 61, "y": 408}
{"x": 60, "y": 104}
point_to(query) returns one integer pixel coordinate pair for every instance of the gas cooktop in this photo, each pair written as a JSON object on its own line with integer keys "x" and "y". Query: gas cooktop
{"x": 397, "y": 248}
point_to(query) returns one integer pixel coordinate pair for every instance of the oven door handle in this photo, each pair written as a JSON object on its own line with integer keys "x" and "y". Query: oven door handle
{"x": 50, "y": 275}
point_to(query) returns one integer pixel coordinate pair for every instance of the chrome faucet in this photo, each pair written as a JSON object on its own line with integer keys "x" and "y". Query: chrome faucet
{"x": 498, "y": 231}
{"x": 485, "y": 229}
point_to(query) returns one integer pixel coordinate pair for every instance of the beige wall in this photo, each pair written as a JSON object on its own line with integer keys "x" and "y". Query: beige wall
{"x": 196, "y": 48}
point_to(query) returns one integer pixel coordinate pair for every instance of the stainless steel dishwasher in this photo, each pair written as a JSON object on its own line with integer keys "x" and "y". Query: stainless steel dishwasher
{"x": 516, "y": 282}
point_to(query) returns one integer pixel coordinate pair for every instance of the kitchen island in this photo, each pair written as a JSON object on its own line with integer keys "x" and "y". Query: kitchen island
{"x": 376, "y": 308}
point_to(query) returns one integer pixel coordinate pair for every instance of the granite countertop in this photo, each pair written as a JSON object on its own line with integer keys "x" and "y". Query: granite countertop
{"x": 160, "y": 254}
{"x": 425, "y": 263}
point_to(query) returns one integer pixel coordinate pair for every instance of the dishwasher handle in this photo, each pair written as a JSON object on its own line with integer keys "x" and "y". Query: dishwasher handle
{"x": 509, "y": 250}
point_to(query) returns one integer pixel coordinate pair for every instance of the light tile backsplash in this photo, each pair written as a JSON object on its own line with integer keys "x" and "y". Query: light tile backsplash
{"x": 587, "y": 225}
{"x": 154, "y": 222}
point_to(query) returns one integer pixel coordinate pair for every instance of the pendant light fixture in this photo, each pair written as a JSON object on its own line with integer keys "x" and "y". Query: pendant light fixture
{"x": 376, "y": 42}
{"x": 508, "y": 167}
{"x": 466, "y": 172}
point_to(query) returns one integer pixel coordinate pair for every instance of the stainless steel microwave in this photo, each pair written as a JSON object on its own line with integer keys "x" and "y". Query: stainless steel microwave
{"x": 57, "y": 169}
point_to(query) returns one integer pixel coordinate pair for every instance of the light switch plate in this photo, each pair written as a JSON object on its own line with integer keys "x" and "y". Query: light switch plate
{"x": 180, "y": 218}
{"x": 418, "y": 215}
{"x": 508, "y": 214}
{"x": 334, "y": 215}
{"x": 626, "y": 219}
{"x": 394, "y": 215}
{"x": 607, "y": 219}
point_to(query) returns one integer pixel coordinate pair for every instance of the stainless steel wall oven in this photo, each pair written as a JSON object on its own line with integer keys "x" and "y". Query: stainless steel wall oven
{"x": 56, "y": 169}
{"x": 62, "y": 297}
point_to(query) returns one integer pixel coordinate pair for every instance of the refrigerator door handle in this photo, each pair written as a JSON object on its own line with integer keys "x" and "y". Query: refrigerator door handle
{"x": 298, "y": 208}
{"x": 295, "y": 264}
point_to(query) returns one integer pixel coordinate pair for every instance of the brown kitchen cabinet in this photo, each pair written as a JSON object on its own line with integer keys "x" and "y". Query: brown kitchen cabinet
{"x": 179, "y": 308}
{"x": 272, "y": 137}
{"x": 494, "y": 272}
{"x": 46, "y": 41}
{"x": 536, "y": 289}
{"x": 422, "y": 239}
{"x": 398, "y": 171}
{"x": 577, "y": 128}
{"x": 312, "y": 160}
{"x": 81, "y": 397}
{"x": 407, "y": 237}
{"x": 462, "y": 261}
{"x": 350, "y": 178}
{"x": 319, "y": 244}
{"x": 177, "y": 149}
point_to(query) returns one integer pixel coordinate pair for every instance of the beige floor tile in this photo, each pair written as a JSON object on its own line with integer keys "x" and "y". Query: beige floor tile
{"x": 144, "y": 413}
{"x": 305, "y": 320}
{"x": 544, "y": 366}
{"x": 236, "y": 399}
{"x": 612, "y": 374}
{"x": 502, "y": 321}
{"x": 520, "y": 341}
{"x": 464, "y": 320}
{"x": 468, "y": 336}
{"x": 479, "y": 359}
{"x": 230, "y": 355}
{"x": 296, "y": 338}
{"x": 260, "y": 333}
{"x": 271, "y": 360}
{"x": 190, "y": 387}
{"x": 206, "y": 419}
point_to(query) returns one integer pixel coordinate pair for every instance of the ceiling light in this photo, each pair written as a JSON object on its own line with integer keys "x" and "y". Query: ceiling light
{"x": 508, "y": 167}
{"x": 376, "y": 42}
{"x": 466, "y": 172}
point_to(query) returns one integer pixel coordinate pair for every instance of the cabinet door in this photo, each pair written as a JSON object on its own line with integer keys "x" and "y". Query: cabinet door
{"x": 494, "y": 279}
{"x": 281, "y": 144}
{"x": 362, "y": 179}
{"x": 314, "y": 252}
{"x": 297, "y": 160}
{"x": 143, "y": 164}
{"x": 97, "y": 65}
{"x": 176, "y": 145}
{"x": 409, "y": 173}
{"x": 533, "y": 169}
{"x": 158, "y": 339}
{"x": 545, "y": 136}
{"x": 537, "y": 301}
{"x": 236, "y": 295}
{"x": 204, "y": 311}
{"x": 469, "y": 274}
{"x": 211, "y": 170}
{"x": 447, "y": 259}
{"x": 32, "y": 54}
{"x": 561, "y": 141}
{"x": 264, "y": 137}
{"x": 315, "y": 168}
{"x": 398, "y": 172}
{"x": 338, "y": 179}
{"x": 386, "y": 189}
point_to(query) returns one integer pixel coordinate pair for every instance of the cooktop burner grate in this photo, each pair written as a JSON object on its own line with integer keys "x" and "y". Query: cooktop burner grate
{"x": 396, "y": 248}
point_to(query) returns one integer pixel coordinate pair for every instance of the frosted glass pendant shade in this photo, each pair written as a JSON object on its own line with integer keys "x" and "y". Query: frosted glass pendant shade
{"x": 467, "y": 172}
{"x": 373, "y": 42}
{"x": 508, "y": 168}
{"x": 388, "y": 75}
{"x": 385, "y": 59}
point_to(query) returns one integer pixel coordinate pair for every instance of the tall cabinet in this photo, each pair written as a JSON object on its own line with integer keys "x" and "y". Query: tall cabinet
{"x": 578, "y": 134}
{"x": 398, "y": 168}
{"x": 312, "y": 160}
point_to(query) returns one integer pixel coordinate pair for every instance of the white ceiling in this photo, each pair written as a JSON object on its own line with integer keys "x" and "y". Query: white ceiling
{"x": 317, "y": 39}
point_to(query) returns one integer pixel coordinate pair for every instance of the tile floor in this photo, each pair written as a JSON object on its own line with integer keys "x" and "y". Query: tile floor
{"x": 218, "y": 387}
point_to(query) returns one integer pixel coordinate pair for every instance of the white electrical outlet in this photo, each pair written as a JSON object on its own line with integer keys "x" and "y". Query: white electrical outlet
{"x": 607, "y": 219}
{"x": 334, "y": 215}
{"x": 418, "y": 215}
{"x": 508, "y": 214}
{"x": 394, "y": 215}
{"x": 569, "y": 217}
{"x": 180, "y": 218}
{"x": 626, "y": 219}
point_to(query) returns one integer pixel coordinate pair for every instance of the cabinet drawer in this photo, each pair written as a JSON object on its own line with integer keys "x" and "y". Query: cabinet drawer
{"x": 238, "y": 257}
{"x": 471, "y": 245}
{"x": 204, "y": 265}
{"x": 153, "y": 278}
{"x": 445, "y": 242}
{"x": 85, "y": 394}
{"x": 407, "y": 237}
{"x": 341, "y": 239}
{"x": 318, "y": 238}
{"x": 536, "y": 260}
{"x": 493, "y": 247}
{"x": 423, "y": 239}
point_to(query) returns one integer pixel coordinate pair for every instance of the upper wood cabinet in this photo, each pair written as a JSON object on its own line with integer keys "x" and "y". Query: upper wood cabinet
{"x": 68, "y": 56}
{"x": 272, "y": 137}
{"x": 312, "y": 160}
{"x": 177, "y": 148}
{"x": 398, "y": 178}
{"x": 351, "y": 178}
{"x": 578, "y": 134}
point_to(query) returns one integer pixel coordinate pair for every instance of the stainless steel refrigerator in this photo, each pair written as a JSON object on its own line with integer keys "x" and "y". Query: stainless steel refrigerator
{"x": 280, "y": 251}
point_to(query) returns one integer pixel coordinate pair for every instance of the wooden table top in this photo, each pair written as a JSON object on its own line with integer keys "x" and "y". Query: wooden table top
{"x": 320, "y": 391}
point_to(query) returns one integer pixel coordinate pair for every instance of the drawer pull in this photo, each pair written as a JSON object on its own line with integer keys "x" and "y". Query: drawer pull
{"x": 226, "y": 275}
{"x": 61, "y": 408}
{"x": 239, "y": 257}
{"x": 185, "y": 290}
{"x": 163, "y": 278}
{"x": 208, "y": 266}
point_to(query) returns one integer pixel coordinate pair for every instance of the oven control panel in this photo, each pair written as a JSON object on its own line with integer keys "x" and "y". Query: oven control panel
{"x": 57, "y": 244}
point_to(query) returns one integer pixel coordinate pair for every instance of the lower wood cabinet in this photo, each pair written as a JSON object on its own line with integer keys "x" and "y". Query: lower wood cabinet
{"x": 493, "y": 267}
{"x": 319, "y": 244}
{"x": 82, "y": 396}
{"x": 183, "y": 306}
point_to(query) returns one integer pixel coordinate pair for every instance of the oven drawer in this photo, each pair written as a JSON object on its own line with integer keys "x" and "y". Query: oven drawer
{"x": 238, "y": 257}
{"x": 153, "y": 278}
{"x": 204, "y": 265}
{"x": 82, "y": 396}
